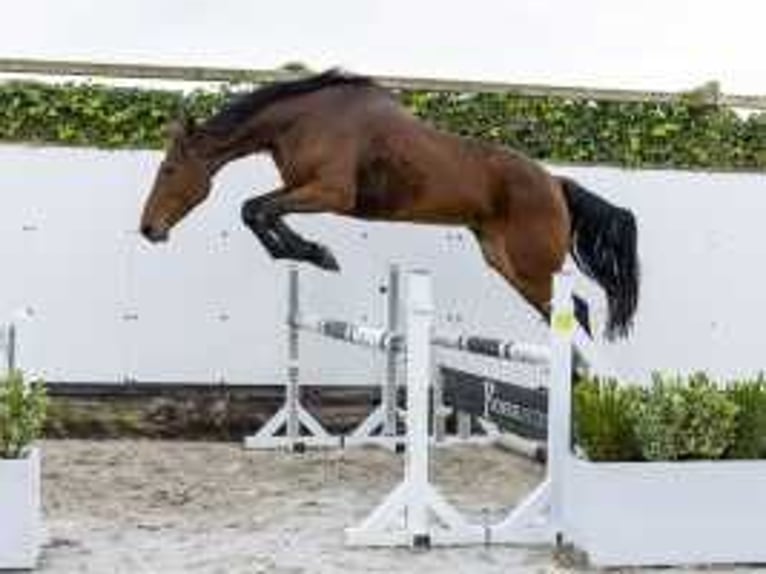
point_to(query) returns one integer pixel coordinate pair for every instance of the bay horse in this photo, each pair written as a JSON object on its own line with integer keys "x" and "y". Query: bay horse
{"x": 345, "y": 145}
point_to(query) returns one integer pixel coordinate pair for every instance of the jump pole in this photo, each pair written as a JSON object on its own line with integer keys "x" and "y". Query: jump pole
{"x": 415, "y": 514}
{"x": 8, "y": 347}
{"x": 539, "y": 517}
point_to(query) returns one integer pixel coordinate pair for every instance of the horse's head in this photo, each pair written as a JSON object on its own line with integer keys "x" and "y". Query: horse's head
{"x": 183, "y": 181}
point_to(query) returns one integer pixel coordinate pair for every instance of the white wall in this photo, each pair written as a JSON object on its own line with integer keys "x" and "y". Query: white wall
{"x": 209, "y": 305}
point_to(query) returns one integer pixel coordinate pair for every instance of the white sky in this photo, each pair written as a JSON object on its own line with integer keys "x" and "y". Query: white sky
{"x": 663, "y": 44}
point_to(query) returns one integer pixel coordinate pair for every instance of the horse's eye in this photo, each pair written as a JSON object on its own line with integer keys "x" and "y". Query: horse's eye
{"x": 168, "y": 170}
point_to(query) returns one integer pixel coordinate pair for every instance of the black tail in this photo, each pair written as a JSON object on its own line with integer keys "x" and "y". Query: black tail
{"x": 605, "y": 247}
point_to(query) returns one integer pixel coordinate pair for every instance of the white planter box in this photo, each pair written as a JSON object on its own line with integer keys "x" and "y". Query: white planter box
{"x": 666, "y": 513}
{"x": 20, "y": 512}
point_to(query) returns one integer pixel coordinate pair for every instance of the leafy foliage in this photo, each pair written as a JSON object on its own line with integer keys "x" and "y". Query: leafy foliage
{"x": 676, "y": 418}
{"x": 682, "y": 420}
{"x": 22, "y": 414}
{"x": 683, "y": 134}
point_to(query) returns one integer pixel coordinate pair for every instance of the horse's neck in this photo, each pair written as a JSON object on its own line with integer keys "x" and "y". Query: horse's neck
{"x": 221, "y": 149}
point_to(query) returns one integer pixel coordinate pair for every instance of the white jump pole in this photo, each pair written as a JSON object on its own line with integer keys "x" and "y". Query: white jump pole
{"x": 415, "y": 514}
{"x": 538, "y": 518}
{"x": 8, "y": 347}
{"x": 563, "y": 326}
{"x": 292, "y": 392}
{"x": 418, "y": 336}
{"x": 390, "y": 389}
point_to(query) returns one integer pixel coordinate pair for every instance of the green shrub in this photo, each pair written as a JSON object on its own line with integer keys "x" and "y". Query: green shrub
{"x": 681, "y": 419}
{"x": 603, "y": 420}
{"x": 750, "y": 432}
{"x": 22, "y": 414}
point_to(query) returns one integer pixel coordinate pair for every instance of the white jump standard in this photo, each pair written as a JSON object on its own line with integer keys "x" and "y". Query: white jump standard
{"x": 293, "y": 427}
{"x": 415, "y": 513}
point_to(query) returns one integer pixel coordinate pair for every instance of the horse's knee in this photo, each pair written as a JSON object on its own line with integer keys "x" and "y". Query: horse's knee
{"x": 247, "y": 213}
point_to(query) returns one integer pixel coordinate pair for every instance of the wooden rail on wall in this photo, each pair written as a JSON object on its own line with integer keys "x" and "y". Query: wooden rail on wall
{"x": 708, "y": 93}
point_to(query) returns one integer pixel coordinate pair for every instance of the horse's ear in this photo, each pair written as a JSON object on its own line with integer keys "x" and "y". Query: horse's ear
{"x": 181, "y": 127}
{"x": 190, "y": 124}
{"x": 176, "y": 130}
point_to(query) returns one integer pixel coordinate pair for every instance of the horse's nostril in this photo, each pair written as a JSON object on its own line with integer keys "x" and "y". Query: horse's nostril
{"x": 146, "y": 231}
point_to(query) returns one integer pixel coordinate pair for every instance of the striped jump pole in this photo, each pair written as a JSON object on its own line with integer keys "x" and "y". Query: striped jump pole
{"x": 514, "y": 351}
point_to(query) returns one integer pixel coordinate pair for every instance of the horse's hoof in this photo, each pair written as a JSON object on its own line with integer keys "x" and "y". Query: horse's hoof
{"x": 324, "y": 259}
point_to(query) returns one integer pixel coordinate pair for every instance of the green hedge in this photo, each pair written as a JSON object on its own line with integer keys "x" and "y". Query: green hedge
{"x": 684, "y": 134}
{"x": 674, "y": 418}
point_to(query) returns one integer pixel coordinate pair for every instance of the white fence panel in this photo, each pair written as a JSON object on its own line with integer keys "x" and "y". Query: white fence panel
{"x": 210, "y": 305}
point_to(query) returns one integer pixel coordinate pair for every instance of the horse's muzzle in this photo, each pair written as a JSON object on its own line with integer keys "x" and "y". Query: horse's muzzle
{"x": 153, "y": 234}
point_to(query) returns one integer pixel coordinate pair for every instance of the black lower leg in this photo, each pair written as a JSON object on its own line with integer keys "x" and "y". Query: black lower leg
{"x": 304, "y": 250}
{"x": 263, "y": 216}
{"x": 582, "y": 314}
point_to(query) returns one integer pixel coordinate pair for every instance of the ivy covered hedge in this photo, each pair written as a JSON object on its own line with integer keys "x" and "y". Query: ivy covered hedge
{"x": 684, "y": 134}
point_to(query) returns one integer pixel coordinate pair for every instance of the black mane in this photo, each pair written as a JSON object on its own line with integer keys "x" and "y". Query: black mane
{"x": 242, "y": 107}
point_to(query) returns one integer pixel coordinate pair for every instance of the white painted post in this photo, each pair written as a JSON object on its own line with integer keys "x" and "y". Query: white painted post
{"x": 11, "y": 350}
{"x": 563, "y": 324}
{"x": 293, "y": 359}
{"x": 418, "y": 341}
{"x": 438, "y": 407}
{"x": 392, "y": 326}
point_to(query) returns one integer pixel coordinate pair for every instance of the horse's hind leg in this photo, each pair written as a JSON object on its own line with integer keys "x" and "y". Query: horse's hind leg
{"x": 537, "y": 292}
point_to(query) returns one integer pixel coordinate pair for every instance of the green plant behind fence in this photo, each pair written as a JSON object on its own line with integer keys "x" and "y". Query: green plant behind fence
{"x": 675, "y": 418}
{"x": 682, "y": 419}
{"x": 22, "y": 414}
{"x": 603, "y": 420}
{"x": 683, "y": 134}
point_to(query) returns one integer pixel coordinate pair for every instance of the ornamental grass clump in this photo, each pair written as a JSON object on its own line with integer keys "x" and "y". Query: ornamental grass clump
{"x": 603, "y": 420}
{"x": 750, "y": 432}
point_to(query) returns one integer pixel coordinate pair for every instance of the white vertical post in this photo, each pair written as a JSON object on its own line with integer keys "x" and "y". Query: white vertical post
{"x": 11, "y": 349}
{"x": 418, "y": 341}
{"x": 563, "y": 325}
{"x": 292, "y": 391}
{"x": 390, "y": 390}
{"x": 438, "y": 408}
{"x": 415, "y": 513}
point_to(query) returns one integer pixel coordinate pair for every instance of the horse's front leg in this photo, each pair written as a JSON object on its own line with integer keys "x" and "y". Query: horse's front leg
{"x": 264, "y": 216}
{"x": 257, "y": 221}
